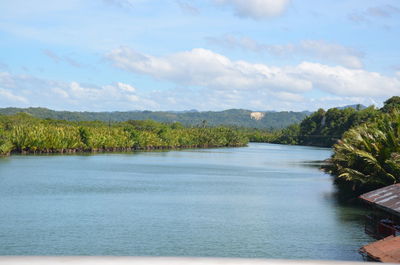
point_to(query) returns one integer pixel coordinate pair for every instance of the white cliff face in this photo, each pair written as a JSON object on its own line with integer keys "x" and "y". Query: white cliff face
{"x": 257, "y": 115}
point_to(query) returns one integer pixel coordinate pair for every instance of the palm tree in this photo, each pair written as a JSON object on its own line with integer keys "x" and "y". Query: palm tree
{"x": 368, "y": 156}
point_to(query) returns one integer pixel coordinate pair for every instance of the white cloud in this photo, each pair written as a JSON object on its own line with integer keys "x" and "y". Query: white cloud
{"x": 319, "y": 49}
{"x": 334, "y": 52}
{"x": 256, "y": 9}
{"x": 125, "y": 87}
{"x": 287, "y": 96}
{"x": 204, "y": 68}
{"x": 7, "y": 95}
{"x": 201, "y": 67}
{"x": 118, "y": 92}
{"x": 60, "y": 92}
{"x": 25, "y": 91}
{"x": 222, "y": 83}
{"x": 205, "y": 80}
{"x": 76, "y": 90}
{"x": 133, "y": 98}
{"x": 348, "y": 82}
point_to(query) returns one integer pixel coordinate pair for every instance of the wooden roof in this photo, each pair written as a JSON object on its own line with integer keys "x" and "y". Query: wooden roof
{"x": 385, "y": 250}
{"x": 387, "y": 198}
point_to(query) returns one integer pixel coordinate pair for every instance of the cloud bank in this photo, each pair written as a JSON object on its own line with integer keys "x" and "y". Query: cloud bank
{"x": 204, "y": 68}
{"x": 27, "y": 90}
{"x": 204, "y": 80}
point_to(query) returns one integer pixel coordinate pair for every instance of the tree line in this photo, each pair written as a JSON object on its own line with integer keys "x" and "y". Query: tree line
{"x": 23, "y": 133}
{"x": 367, "y": 157}
{"x": 321, "y": 128}
{"x": 231, "y": 117}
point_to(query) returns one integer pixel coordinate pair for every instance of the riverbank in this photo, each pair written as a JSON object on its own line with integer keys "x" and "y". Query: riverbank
{"x": 24, "y": 134}
{"x": 114, "y": 150}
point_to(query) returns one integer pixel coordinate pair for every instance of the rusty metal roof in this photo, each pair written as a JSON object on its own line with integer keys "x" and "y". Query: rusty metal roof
{"x": 385, "y": 250}
{"x": 387, "y": 198}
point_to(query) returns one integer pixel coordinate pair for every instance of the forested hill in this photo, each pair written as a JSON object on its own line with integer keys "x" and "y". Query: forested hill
{"x": 232, "y": 117}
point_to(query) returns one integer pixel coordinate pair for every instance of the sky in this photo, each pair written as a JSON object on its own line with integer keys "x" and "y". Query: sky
{"x": 120, "y": 55}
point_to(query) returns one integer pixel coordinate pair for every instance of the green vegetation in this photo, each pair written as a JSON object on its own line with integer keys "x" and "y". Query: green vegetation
{"x": 391, "y": 104}
{"x": 366, "y": 145}
{"x": 324, "y": 128}
{"x": 23, "y": 133}
{"x": 232, "y": 117}
{"x": 368, "y": 156}
{"x": 289, "y": 135}
{"x": 321, "y": 128}
{"x": 257, "y": 135}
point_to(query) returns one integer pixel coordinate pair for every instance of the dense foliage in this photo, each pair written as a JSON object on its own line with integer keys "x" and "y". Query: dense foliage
{"x": 26, "y": 134}
{"x": 324, "y": 128}
{"x": 368, "y": 156}
{"x": 321, "y": 128}
{"x": 232, "y": 117}
{"x": 392, "y": 104}
{"x": 289, "y": 135}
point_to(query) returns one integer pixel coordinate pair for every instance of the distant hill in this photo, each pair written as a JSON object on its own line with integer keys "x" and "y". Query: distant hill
{"x": 232, "y": 117}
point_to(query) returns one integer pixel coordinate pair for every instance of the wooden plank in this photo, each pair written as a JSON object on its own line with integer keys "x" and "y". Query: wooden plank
{"x": 385, "y": 250}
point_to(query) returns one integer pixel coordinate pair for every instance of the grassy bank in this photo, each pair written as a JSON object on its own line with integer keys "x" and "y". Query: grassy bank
{"x": 22, "y": 133}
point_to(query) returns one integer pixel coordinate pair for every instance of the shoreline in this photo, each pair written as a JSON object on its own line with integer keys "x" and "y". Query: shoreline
{"x": 72, "y": 151}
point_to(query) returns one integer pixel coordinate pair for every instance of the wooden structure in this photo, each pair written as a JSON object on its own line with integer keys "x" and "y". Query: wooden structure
{"x": 385, "y": 220}
{"x": 383, "y": 223}
{"x": 387, "y": 199}
{"x": 385, "y": 250}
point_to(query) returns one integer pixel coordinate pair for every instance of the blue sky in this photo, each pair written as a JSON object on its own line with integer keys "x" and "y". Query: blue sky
{"x": 98, "y": 55}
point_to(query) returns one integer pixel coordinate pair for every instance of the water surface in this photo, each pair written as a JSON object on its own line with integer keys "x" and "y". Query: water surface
{"x": 264, "y": 201}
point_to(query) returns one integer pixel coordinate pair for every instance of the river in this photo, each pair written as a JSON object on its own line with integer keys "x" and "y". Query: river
{"x": 261, "y": 201}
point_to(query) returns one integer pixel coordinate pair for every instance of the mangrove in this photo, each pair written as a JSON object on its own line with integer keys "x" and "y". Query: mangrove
{"x": 23, "y": 133}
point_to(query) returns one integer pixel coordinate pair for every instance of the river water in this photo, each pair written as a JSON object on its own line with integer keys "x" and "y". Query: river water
{"x": 264, "y": 201}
